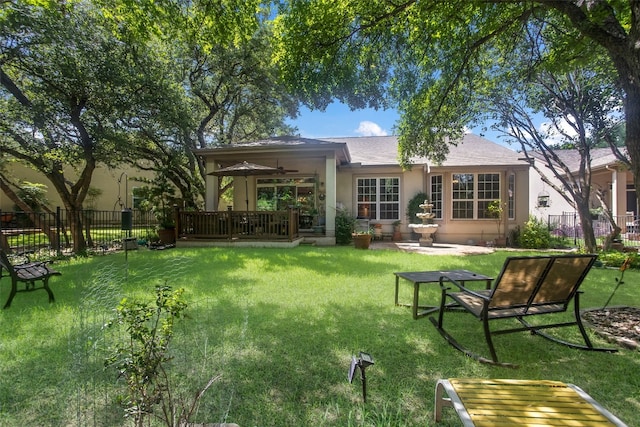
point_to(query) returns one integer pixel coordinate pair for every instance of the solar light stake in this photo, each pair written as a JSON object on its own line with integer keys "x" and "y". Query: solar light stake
{"x": 363, "y": 360}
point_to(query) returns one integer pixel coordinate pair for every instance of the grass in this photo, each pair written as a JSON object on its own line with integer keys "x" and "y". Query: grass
{"x": 281, "y": 328}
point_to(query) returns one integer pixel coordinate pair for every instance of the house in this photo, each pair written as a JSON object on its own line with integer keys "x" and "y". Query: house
{"x": 608, "y": 175}
{"x": 362, "y": 175}
{"x": 116, "y": 187}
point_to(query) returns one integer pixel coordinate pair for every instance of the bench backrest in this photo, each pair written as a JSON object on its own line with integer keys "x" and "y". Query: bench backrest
{"x": 539, "y": 280}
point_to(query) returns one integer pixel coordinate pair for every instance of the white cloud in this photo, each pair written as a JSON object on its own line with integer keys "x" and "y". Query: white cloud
{"x": 555, "y": 135}
{"x": 368, "y": 128}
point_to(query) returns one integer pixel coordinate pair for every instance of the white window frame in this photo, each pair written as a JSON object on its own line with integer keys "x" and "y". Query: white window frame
{"x": 511, "y": 196}
{"x": 472, "y": 195}
{"x": 372, "y": 208}
{"x": 436, "y": 196}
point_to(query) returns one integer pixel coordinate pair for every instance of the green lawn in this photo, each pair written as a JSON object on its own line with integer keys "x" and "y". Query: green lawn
{"x": 281, "y": 326}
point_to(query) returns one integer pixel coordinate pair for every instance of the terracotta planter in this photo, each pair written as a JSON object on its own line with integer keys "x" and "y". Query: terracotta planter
{"x": 361, "y": 241}
{"x": 500, "y": 242}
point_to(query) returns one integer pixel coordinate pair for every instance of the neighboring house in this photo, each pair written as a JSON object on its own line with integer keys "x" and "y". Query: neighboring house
{"x": 116, "y": 187}
{"x": 362, "y": 175}
{"x": 607, "y": 174}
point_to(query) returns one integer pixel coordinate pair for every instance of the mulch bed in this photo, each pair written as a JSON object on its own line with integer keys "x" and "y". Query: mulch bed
{"x": 619, "y": 325}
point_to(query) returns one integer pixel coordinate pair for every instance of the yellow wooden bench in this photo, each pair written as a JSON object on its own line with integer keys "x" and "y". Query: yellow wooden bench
{"x": 492, "y": 402}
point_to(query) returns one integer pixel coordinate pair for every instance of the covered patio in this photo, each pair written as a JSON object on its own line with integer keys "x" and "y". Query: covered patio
{"x": 284, "y": 190}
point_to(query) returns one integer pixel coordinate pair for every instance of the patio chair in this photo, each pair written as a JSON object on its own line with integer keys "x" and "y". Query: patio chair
{"x": 526, "y": 286}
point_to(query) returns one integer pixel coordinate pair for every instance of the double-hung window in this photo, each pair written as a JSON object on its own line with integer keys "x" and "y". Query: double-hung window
{"x": 378, "y": 198}
{"x": 436, "y": 195}
{"x": 472, "y": 194}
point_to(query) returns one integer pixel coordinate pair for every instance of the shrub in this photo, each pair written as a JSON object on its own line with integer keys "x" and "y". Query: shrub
{"x": 535, "y": 234}
{"x": 140, "y": 359}
{"x": 413, "y": 207}
{"x": 345, "y": 225}
{"x": 616, "y": 259}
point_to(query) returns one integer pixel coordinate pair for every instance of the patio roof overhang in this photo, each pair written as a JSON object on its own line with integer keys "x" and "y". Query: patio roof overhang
{"x": 290, "y": 147}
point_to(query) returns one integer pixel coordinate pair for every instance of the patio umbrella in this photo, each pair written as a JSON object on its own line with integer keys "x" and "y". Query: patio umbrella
{"x": 245, "y": 169}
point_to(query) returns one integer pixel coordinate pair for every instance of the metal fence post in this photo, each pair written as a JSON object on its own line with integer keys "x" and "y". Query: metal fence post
{"x": 58, "y": 226}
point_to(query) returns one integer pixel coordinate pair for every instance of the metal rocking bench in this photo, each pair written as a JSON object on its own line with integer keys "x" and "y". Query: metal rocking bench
{"x": 526, "y": 286}
{"x": 28, "y": 273}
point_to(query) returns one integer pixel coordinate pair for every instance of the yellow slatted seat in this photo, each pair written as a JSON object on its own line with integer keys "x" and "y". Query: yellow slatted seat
{"x": 507, "y": 402}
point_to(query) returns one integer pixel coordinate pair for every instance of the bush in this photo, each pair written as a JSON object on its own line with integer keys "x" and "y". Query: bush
{"x": 615, "y": 259}
{"x": 345, "y": 225}
{"x": 535, "y": 235}
{"x": 413, "y": 207}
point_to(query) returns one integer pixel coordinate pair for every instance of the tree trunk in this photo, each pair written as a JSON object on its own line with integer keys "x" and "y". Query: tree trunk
{"x": 586, "y": 224}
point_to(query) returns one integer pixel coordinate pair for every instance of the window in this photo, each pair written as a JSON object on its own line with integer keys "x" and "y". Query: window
{"x": 136, "y": 197}
{"x": 378, "y": 198}
{"x": 436, "y": 195}
{"x": 488, "y": 191}
{"x": 274, "y": 194}
{"x": 462, "y": 195}
{"x": 511, "y": 199}
{"x": 472, "y": 193}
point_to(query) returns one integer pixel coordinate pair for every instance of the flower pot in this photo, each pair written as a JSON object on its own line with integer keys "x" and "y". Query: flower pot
{"x": 361, "y": 241}
{"x": 167, "y": 235}
{"x": 500, "y": 242}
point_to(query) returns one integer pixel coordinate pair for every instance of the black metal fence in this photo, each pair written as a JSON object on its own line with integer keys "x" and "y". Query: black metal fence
{"x": 44, "y": 231}
{"x": 568, "y": 226}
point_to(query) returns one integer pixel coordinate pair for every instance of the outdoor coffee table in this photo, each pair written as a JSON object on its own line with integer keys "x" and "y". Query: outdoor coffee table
{"x": 419, "y": 277}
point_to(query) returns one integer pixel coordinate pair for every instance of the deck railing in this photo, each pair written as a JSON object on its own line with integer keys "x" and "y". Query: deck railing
{"x": 103, "y": 230}
{"x": 237, "y": 225}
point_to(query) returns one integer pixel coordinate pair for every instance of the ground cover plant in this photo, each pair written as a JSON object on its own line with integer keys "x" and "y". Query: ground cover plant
{"x": 279, "y": 328}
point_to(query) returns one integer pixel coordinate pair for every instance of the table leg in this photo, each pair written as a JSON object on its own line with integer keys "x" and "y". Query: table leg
{"x": 397, "y": 281}
{"x": 416, "y": 294}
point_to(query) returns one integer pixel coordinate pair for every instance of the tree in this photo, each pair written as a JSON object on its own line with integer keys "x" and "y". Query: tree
{"x": 232, "y": 88}
{"x": 581, "y": 111}
{"x": 233, "y": 95}
{"x": 434, "y": 59}
{"x": 67, "y": 87}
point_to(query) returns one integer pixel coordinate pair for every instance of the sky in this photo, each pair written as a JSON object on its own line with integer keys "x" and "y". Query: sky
{"x": 339, "y": 121}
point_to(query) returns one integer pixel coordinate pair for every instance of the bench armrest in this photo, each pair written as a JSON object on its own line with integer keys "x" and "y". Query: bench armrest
{"x": 461, "y": 287}
{"x": 29, "y": 265}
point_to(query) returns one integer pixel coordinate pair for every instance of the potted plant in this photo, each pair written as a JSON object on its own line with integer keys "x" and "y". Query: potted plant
{"x": 158, "y": 198}
{"x": 362, "y": 239}
{"x": 496, "y": 211}
{"x": 397, "y": 236}
{"x": 377, "y": 230}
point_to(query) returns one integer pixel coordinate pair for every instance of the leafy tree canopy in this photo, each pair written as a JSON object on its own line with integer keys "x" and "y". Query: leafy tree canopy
{"x": 437, "y": 61}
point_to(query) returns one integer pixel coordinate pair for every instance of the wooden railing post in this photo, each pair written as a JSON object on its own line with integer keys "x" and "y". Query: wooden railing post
{"x": 230, "y": 222}
{"x": 176, "y": 219}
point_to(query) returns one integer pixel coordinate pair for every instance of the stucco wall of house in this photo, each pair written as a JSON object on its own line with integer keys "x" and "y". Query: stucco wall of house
{"x": 479, "y": 231}
{"x": 116, "y": 189}
{"x": 450, "y": 230}
{"x": 557, "y": 205}
{"x": 411, "y": 182}
{"x": 612, "y": 181}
